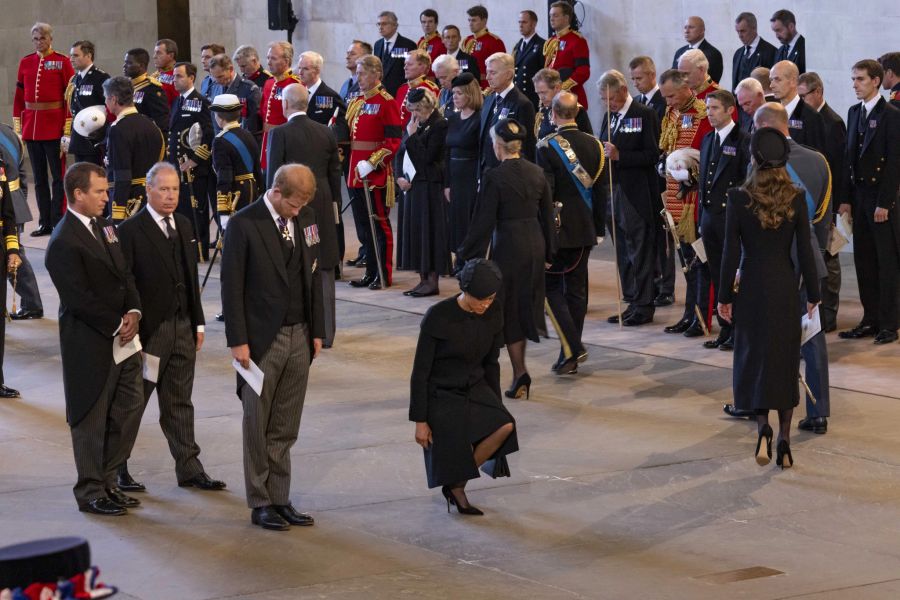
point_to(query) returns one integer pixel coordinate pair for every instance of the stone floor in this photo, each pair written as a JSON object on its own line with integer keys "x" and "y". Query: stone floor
{"x": 630, "y": 483}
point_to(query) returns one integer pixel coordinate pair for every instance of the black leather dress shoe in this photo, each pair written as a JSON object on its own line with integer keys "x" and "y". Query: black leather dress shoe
{"x": 220, "y": 317}
{"x": 8, "y": 392}
{"x": 376, "y": 284}
{"x": 634, "y": 319}
{"x": 886, "y": 336}
{"x": 203, "y": 481}
{"x": 860, "y": 331}
{"x": 424, "y": 293}
{"x": 127, "y": 483}
{"x": 814, "y": 424}
{"x": 727, "y": 345}
{"x": 359, "y": 261}
{"x": 679, "y": 327}
{"x": 366, "y": 281}
{"x": 614, "y": 319}
{"x": 22, "y": 314}
{"x": 268, "y": 518}
{"x": 732, "y": 411}
{"x": 102, "y": 506}
{"x": 664, "y": 300}
{"x": 695, "y": 330}
{"x": 568, "y": 367}
{"x": 41, "y": 231}
{"x": 119, "y": 497}
{"x": 293, "y": 516}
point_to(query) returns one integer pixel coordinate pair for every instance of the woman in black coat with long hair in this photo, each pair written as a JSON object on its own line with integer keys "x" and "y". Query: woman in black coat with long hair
{"x": 455, "y": 387}
{"x": 764, "y": 219}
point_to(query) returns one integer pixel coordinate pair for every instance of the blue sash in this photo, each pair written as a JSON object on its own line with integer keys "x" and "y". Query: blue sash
{"x": 810, "y": 203}
{"x": 13, "y": 149}
{"x": 241, "y": 148}
{"x": 585, "y": 192}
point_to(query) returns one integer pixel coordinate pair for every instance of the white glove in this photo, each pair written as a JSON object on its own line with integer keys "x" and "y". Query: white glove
{"x": 363, "y": 168}
{"x": 223, "y": 221}
{"x": 680, "y": 174}
{"x": 64, "y": 143}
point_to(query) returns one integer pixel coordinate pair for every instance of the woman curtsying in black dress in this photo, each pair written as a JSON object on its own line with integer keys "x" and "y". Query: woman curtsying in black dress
{"x": 461, "y": 422}
{"x": 764, "y": 218}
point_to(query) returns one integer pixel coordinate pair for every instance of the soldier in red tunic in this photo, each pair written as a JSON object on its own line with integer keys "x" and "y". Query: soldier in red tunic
{"x": 567, "y": 51}
{"x": 684, "y": 126}
{"x": 482, "y": 43}
{"x": 416, "y": 66}
{"x": 696, "y": 65}
{"x": 165, "y": 53}
{"x": 431, "y": 42}
{"x": 374, "y": 122}
{"x": 279, "y": 56}
{"x": 39, "y": 116}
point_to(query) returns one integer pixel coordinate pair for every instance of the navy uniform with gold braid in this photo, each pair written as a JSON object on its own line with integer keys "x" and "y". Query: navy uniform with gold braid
{"x": 133, "y": 145}
{"x": 150, "y": 99}
{"x": 10, "y": 246}
{"x": 193, "y": 200}
{"x": 81, "y": 93}
{"x": 566, "y": 156}
{"x": 543, "y": 127}
{"x": 235, "y": 160}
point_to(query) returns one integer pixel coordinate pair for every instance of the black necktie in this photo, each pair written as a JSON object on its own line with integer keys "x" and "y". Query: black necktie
{"x": 717, "y": 145}
{"x": 747, "y": 52}
{"x": 170, "y": 231}
{"x": 861, "y": 125}
{"x": 95, "y": 228}
{"x": 387, "y": 51}
{"x": 642, "y": 99}
{"x": 78, "y": 80}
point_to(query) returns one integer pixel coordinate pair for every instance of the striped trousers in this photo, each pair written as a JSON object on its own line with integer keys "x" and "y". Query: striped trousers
{"x": 272, "y": 420}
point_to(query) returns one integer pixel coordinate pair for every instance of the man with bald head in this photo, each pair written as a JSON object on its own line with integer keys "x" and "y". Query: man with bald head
{"x": 273, "y": 246}
{"x": 303, "y": 141}
{"x": 695, "y": 36}
{"x": 750, "y": 96}
{"x": 806, "y": 125}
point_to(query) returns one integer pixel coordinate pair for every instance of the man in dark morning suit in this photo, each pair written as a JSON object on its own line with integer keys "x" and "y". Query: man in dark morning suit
{"x": 643, "y": 76}
{"x": 632, "y": 149}
{"x": 467, "y": 63}
{"x": 806, "y": 126}
{"x": 391, "y": 48}
{"x": 812, "y": 90}
{"x": 873, "y": 174}
{"x": 325, "y": 105}
{"x": 10, "y": 261}
{"x": 85, "y": 89}
{"x": 99, "y": 306}
{"x": 754, "y": 51}
{"x": 159, "y": 248}
{"x": 192, "y": 156}
{"x": 506, "y": 102}
{"x": 695, "y": 36}
{"x": 272, "y": 245}
{"x": 793, "y": 45}
{"x": 573, "y": 163}
{"x": 547, "y": 84}
{"x": 349, "y": 91}
{"x": 529, "y": 55}
{"x": 303, "y": 141}
{"x": 724, "y": 158}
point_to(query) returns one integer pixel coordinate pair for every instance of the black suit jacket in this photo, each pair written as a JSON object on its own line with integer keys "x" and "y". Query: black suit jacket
{"x": 468, "y": 64}
{"x": 658, "y": 104}
{"x": 96, "y": 289}
{"x": 875, "y": 165}
{"x": 322, "y": 107}
{"x": 579, "y": 224}
{"x": 796, "y": 56}
{"x": 515, "y": 105}
{"x": 529, "y": 60}
{"x": 712, "y": 54}
{"x": 763, "y": 56}
{"x": 87, "y": 92}
{"x": 638, "y": 147}
{"x": 835, "y": 147}
{"x": 392, "y": 77}
{"x": 250, "y": 96}
{"x": 149, "y": 256}
{"x": 302, "y": 140}
{"x": 185, "y": 113}
{"x": 730, "y": 169}
{"x": 807, "y": 127}
{"x": 255, "y": 292}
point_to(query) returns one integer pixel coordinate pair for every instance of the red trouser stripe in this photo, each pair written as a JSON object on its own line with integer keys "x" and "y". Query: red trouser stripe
{"x": 385, "y": 224}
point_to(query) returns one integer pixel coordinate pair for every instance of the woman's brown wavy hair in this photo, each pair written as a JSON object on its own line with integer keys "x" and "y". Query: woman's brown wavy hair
{"x": 772, "y": 195}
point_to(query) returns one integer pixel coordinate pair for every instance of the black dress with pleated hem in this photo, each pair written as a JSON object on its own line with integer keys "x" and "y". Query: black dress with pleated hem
{"x": 455, "y": 388}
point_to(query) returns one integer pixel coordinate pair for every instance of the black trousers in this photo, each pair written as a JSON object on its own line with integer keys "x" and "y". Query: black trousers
{"x": 712, "y": 228}
{"x": 93, "y": 158}
{"x": 44, "y": 153}
{"x": 26, "y": 282}
{"x": 360, "y": 219}
{"x": 875, "y": 254}
{"x": 698, "y": 282}
{"x": 566, "y": 289}
{"x": 664, "y": 281}
{"x": 635, "y": 252}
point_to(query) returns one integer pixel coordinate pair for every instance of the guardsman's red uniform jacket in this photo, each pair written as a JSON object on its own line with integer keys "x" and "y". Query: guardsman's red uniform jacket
{"x": 271, "y": 112}
{"x": 568, "y": 52}
{"x": 375, "y": 131}
{"x": 481, "y": 46}
{"x": 404, "y": 89}
{"x": 39, "y": 105}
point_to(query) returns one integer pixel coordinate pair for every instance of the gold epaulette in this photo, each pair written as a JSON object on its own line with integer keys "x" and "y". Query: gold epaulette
{"x": 154, "y": 80}
{"x": 568, "y": 84}
{"x": 267, "y": 72}
{"x": 385, "y": 94}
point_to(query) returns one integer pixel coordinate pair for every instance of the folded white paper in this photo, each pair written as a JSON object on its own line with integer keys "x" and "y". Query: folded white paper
{"x": 699, "y": 249}
{"x": 810, "y": 326}
{"x": 151, "y": 367}
{"x": 253, "y": 376}
{"x": 845, "y": 224}
{"x": 120, "y": 352}
{"x": 409, "y": 169}
{"x": 836, "y": 241}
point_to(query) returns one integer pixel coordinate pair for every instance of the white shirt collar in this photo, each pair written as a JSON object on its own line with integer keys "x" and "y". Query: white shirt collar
{"x": 793, "y": 43}
{"x": 393, "y": 39}
{"x": 724, "y": 132}
{"x": 626, "y": 106}
{"x": 652, "y": 92}
{"x": 871, "y": 104}
{"x": 275, "y": 215}
{"x": 187, "y": 93}
{"x": 697, "y": 45}
{"x": 754, "y": 44}
{"x": 528, "y": 39}
{"x": 85, "y": 220}
{"x": 84, "y": 72}
{"x": 506, "y": 91}
{"x": 791, "y": 106}
{"x": 312, "y": 89}
{"x": 297, "y": 114}
{"x": 454, "y": 53}
{"x": 159, "y": 219}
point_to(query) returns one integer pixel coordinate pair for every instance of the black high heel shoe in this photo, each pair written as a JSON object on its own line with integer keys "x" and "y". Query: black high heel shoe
{"x": 451, "y": 499}
{"x": 520, "y": 386}
{"x": 762, "y": 459}
{"x": 784, "y": 458}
